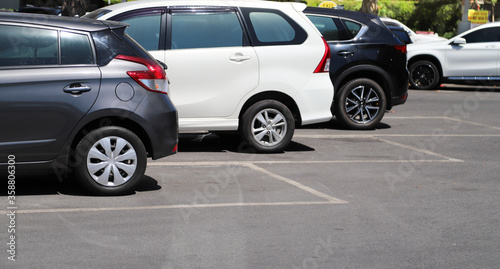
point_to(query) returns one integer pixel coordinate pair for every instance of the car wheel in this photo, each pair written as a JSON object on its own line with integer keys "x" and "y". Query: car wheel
{"x": 113, "y": 160}
{"x": 424, "y": 75}
{"x": 360, "y": 104}
{"x": 267, "y": 126}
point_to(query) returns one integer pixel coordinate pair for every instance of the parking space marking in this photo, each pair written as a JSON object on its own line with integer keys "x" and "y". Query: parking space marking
{"x": 162, "y": 207}
{"x": 446, "y": 118}
{"x": 296, "y": 184}
{"x": 418, "y": 150}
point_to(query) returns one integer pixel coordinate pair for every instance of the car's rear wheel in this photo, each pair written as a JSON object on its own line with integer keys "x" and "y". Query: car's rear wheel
{"x": 113, "y": 161}
{"x": 267, "y": 126}
{"x": 424, "y": 75}
{"x": 360, "y": 104}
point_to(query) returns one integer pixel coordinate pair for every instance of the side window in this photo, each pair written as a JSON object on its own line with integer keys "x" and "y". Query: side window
{"x": 75, "y": 49}
{"x": 353, "y": 28}
{"x": 206, "y": 30}
{"x": 326, "y": 26}
{"x": 145, "y": 30}
{"x": 271, "y": 27}
{"x": 484, "y": 35}
{"x": 22, "y": 46}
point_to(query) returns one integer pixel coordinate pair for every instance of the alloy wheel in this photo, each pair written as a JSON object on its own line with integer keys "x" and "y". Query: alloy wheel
{"x": 362, "y": 104}
{"x": 269, "y": 127}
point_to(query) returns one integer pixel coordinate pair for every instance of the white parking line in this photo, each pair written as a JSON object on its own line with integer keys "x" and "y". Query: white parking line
{"x": 296, "y": 184}
{"x": 162, "y": 207}
{"x": 418, "y": 150}
{"x": 445, "y": 118}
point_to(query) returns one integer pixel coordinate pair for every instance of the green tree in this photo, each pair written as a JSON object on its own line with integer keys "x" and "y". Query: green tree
{"x": 440, "y": 16}
{"x": 369, "y": 6}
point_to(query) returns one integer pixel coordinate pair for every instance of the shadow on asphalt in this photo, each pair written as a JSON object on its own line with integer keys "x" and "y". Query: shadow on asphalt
{"x": 222, "y": 142}
{"x": 46, "y": 183}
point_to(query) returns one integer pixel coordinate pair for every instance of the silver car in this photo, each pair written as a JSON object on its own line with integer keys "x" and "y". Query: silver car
{"x": 82, "y": 98}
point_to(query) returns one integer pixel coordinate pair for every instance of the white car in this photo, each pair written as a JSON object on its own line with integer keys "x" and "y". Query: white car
{"x": 473, "y": 55}
{"x": 257, "y": 67}
{"x": 415, "y": 38}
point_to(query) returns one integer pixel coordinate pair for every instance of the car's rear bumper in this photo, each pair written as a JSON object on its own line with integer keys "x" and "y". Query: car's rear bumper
{"x": 160, "y": 119}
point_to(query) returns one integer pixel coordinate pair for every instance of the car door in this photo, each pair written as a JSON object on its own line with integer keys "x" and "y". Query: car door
{"x": 45, "y": 89}
{"x": 342, "y": 45}
{"x": 478, "y": 57}
{"x": 211, "y": 65}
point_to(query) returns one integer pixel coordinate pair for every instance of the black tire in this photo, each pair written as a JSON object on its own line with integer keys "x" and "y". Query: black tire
{"x": 96, "y": 170}
{"x": 360, "y": 104}
{"x": 267, "y": 126}
{"x": 424, "y": 75}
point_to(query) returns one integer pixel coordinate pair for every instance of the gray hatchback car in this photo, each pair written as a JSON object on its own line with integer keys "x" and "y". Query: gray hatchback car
{"x": 81, "y": 97}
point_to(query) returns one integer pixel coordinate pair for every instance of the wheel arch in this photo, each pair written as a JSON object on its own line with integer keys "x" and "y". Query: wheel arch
{"x": 277, "y": 96}
{"x": 126, "y": 123}
{"x": 372, "y": 72}
{"x": 429, "y": 58}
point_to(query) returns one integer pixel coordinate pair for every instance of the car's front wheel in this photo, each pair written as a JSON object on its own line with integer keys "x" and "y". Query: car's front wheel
{"x": 424, "y": 75}
{"x": 267, "y": 126}
{"x": 113, "y": 160}
{"x": 360, "y": 104}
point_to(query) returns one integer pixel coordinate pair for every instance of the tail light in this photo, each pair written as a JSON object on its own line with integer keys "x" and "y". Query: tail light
{"x": 324, "y": 65}
{"x": 401, "y": 48}
{"x": 154, "y": 79}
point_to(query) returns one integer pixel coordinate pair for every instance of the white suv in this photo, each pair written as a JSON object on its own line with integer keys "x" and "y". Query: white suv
{"x": 471, "y": 56}
{"x": 257, "y": 67}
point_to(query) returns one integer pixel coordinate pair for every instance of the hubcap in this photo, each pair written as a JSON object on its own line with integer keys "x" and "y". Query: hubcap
{"x": 111, "y": 161}
{"x": 269, "y": 127}
{"x": 362, "y": 104}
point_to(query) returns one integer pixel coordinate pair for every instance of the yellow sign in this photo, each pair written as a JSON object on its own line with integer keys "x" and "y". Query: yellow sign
{"x": 327, "y": 4}
{"x": 478, "y": 16}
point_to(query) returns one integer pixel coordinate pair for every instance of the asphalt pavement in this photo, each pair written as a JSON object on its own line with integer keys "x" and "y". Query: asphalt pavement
{"x": 420, "y": 191}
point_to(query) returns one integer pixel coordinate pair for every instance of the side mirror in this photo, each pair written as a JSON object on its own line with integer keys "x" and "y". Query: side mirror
{"x": 458, "y": 41}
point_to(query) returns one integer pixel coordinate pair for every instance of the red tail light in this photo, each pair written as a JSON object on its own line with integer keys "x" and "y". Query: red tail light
{"x": 401, "y": 48}
{"x": 324, "y": 65}
{"x": 154, "y": 79}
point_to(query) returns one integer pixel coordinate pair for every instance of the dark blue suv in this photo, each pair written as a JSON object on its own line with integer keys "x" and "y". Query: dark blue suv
{"x": 367, "y": 68}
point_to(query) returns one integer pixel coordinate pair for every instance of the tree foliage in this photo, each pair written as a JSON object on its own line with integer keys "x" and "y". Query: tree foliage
{"x": 369, "y": 6}
{"x": 440, "y": 16}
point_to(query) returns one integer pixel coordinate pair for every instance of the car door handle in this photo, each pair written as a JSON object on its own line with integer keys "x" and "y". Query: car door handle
{"x": 76, "y": 88}
{"x": 345, "y": 53}
{"x": 239, "y": 57}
